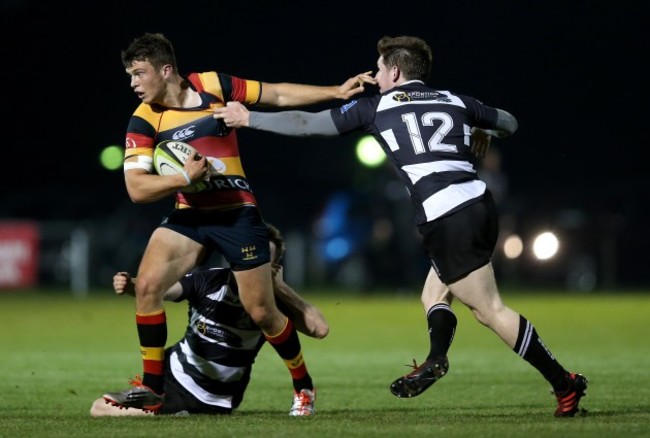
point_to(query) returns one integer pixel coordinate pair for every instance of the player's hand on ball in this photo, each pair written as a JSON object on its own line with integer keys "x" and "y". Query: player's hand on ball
{"x": 173, "y": 157}
{"x": 197, "y": 167}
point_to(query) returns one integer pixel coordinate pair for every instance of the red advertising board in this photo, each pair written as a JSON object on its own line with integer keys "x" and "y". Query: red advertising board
{"x": 19, "y": 247}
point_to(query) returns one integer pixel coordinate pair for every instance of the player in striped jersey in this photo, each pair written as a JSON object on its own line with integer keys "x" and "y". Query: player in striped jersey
{"x": 433, "y": 138}
{"x": 208, "y": 370}
{"x": 215, "y": 206}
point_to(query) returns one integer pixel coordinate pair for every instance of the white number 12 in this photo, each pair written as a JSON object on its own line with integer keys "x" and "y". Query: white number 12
{"x": 435, "y": 142}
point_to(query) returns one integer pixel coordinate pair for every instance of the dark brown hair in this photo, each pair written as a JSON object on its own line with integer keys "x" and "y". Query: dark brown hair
{"x": 276, "y": 238}
{"x": 153, "y": 48}
{"x": 412, "y": 55}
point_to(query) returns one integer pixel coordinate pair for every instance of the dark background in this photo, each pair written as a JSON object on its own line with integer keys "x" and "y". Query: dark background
{"x": 572, "y": 72}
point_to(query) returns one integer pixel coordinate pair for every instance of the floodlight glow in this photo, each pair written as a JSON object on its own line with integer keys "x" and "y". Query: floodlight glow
{"x": 513, "y": 246}
{"x": 369, "y": 153}
{"x": 545, "y": 245}
{"x": 111, "y": 157}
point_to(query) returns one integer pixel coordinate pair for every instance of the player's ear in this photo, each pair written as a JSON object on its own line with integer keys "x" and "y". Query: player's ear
{"x": 395, "y": 73}
{"x": 167, "y": 70}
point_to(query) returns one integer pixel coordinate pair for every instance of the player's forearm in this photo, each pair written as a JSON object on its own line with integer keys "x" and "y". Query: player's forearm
{"x": 294, "y": 123}
{"x": 144, "y": 187}
{"x": 288, "y": 296}
{"x": 290, "y": 94}
{"x": 287, "y": 94}
{"x": 506, "y": 124}
{"x": 306, "y": 317}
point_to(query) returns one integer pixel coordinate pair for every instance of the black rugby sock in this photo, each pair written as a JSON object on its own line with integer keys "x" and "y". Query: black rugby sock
{"x": 530, "y": 347}
{"x": 442, "y": 326}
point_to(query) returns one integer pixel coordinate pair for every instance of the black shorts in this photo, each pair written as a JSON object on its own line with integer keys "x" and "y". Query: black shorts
{"x": 240, "y": 235}
{"x": 463, "y": 241}
{"x": 178, "y": 399}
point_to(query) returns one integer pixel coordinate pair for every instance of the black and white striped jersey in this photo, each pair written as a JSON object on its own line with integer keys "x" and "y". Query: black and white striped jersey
{"x": 426, "y": 134}
{"x": 214, "y": 359}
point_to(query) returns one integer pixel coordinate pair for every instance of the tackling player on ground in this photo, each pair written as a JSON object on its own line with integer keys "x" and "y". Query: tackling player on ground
{"x": 208, "y": 370}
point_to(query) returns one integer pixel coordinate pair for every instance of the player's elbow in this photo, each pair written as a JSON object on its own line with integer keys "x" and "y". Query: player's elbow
{"x": 507, "y": 123}
{"x": 136, "y": 197}
{"x": 322, "y": 332}
{"x": 513, "y": 125}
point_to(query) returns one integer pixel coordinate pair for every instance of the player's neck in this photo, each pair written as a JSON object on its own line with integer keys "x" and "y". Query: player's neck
{"x": 181, "y": 95}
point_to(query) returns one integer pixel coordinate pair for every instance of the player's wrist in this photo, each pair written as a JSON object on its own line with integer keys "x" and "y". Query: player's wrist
{"x": 187, "y": 177}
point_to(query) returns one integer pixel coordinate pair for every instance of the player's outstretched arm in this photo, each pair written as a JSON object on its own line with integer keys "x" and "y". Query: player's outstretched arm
{"x": 289, "y": 94}
{"x": 306, "y": 317}
{"x": 294, "y": 123}
{"x": 506, "y": 125}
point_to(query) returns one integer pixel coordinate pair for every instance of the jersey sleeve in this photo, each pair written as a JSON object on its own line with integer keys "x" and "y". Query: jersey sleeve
{"x": 356, "y": 114}
{"x": 198, "y": 283}
{"x": 189, "y": 286}
{"x": 140, "y": 132}
{"x": 484, "y": 116}
{"x": 229, "y": 88}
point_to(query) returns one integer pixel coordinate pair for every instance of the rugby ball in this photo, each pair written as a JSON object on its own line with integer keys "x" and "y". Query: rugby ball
{"x": 169, "y": 157}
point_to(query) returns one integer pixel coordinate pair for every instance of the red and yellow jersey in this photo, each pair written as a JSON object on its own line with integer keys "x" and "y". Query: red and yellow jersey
{"x": 151, "y": 124}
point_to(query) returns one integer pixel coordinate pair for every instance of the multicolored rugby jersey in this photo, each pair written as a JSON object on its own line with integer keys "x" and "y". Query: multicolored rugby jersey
{"x": 150, "y": 124}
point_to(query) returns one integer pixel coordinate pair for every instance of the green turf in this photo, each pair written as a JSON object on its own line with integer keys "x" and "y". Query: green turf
{"x": 59, "y": 354}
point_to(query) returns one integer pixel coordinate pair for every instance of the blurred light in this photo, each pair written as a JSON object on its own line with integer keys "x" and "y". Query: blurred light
{"x": 545, "y": 245}
{"x": 333, "y": 220}
{"x": 337, "y": 248}
{"x": 111, "y": 157}
{"x": 513, "y": 246}
{"x": 369, "y": 153}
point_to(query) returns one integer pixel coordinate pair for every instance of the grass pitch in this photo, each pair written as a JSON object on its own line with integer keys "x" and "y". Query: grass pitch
{"x": 59, "y": 354}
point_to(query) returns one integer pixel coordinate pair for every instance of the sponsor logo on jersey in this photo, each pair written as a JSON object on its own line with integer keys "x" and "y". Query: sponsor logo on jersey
{"x": 401, "y": 97}
{"x": 347, "y": 106}
{"x": 184, "y": 133}
{"x": 409, "y": 96}
{"x": 226, "y": 182}
{"x": 219, "y": 334}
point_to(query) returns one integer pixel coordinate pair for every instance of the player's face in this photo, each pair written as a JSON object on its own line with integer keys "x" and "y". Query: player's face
{"x": 384, "y": 76}
{"x": 147, "y": 82}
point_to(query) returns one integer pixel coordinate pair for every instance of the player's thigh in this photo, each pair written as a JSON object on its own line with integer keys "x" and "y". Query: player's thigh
{"x": 168, "y": 256}
{"x": 256, "y": 287}
{"x": 478, "y": 291}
